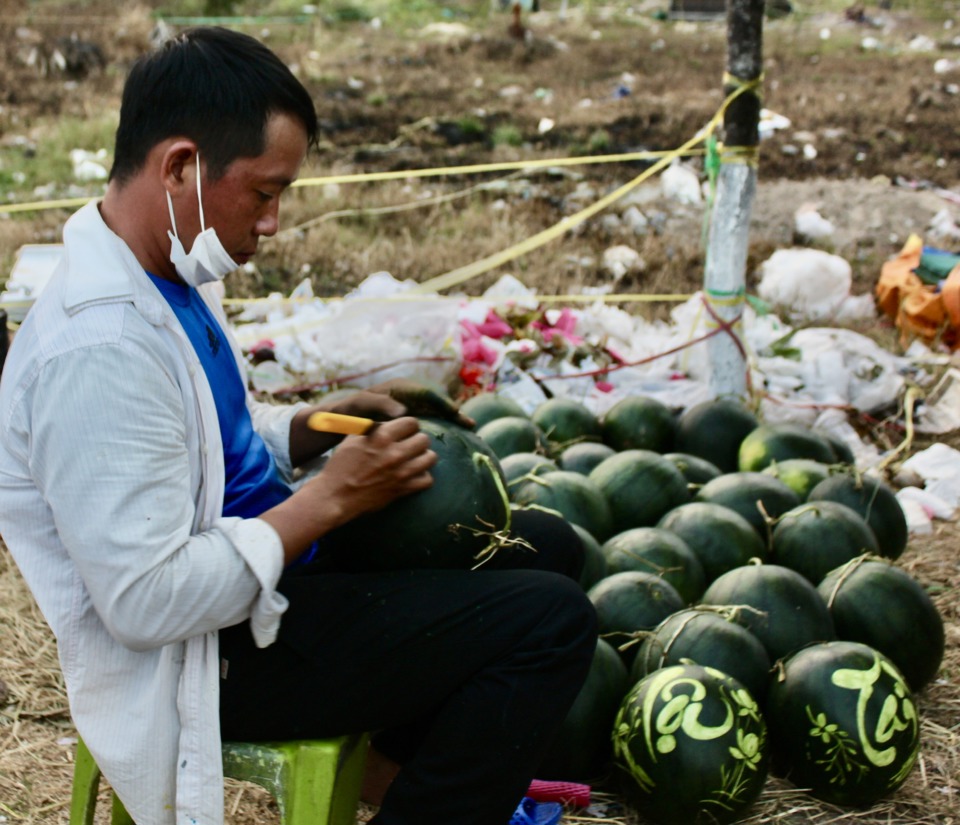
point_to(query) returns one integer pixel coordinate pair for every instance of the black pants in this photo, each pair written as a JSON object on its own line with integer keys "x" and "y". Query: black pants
{"x": 464, "y": 676}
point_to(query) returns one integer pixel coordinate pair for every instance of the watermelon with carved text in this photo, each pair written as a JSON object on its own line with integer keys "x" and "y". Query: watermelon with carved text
{"x": 690, "y": 746}
{"x": 843, "y": 723}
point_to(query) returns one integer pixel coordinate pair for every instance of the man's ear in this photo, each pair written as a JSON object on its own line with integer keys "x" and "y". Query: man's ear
{"x": 178, "y": 166}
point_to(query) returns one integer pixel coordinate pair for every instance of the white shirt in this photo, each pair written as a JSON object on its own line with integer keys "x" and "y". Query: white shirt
{"x": 111, "y": 490}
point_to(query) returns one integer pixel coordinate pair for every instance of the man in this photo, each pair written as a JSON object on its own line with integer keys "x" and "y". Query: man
{"x": 146, "y": 499}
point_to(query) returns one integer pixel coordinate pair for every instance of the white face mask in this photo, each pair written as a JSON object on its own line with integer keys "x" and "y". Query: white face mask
{"x": 207, "y": 261}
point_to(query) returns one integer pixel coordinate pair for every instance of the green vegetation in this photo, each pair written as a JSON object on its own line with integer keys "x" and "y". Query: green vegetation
{"x": 25, "y": 165}
{"x": 507, "y": 135}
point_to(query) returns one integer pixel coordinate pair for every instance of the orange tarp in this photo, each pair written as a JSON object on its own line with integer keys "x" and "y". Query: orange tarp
{"x": 918, "y": 309}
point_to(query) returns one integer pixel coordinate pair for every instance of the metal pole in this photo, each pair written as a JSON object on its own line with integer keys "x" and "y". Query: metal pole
{"x": 728, "y": 238}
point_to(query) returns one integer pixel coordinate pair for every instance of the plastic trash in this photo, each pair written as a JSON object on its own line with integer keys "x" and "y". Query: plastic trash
{"x": 622, "y": 260}
{"x": 809, "y": 284}
{"x": 680, "y": 183}
{"x": 87, "y": 166}
{"x": 809, "y": 223}
{"x": 938, "y": 467}
{"x": 32, "y": 268}
{"x": 771, "y": 122}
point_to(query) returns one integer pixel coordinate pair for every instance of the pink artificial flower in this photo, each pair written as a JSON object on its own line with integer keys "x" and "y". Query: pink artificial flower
{"x": 476, "y": 352}
{"x": 564, "y": 326}
{"x": 494, "y": 326}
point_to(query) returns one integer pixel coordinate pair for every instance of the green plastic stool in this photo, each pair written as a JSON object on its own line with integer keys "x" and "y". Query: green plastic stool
{"x": 315, "y": 781}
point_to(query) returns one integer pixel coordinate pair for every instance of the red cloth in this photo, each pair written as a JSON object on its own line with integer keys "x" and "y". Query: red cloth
{"x": 568, "y": 793}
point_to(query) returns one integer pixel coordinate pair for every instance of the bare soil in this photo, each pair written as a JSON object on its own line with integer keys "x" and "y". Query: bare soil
{"x": 613, "y": 80}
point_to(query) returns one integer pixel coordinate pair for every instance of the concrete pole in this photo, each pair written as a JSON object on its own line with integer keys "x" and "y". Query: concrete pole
{"x": 728, "y": 238}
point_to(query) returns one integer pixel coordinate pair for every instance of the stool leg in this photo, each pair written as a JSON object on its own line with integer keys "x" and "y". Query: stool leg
{"x": 323, "y": 785}
{"x": 118, "y": 814}
{"x": 86, "y": 785}
{"x": 346, "y": 792}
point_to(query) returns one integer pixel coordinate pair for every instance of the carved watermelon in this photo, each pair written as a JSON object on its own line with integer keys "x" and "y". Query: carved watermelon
{"x": 842, "y": 723}
{"x": 690, "y": 746}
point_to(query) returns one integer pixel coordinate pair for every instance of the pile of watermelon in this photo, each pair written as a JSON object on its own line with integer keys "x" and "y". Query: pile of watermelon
{"x": 753, "y": 616}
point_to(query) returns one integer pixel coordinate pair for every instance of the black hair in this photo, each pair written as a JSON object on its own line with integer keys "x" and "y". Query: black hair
{"x": 215, "y": 86}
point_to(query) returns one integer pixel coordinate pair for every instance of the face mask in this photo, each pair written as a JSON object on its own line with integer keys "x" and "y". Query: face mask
{"x": 207, "y": 261}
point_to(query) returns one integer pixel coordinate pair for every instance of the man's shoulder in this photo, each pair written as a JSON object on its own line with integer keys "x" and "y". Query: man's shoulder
{"x": 49, "y": 334}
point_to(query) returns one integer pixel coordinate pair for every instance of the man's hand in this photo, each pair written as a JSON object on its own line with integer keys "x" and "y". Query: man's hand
{"x": 364, "y": 474}
{"x": 382, "y": 402}
{"x": 422, "y": 401}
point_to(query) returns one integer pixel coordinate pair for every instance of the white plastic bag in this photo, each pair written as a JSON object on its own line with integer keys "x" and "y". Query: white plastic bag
{"x": 809, "y": 284}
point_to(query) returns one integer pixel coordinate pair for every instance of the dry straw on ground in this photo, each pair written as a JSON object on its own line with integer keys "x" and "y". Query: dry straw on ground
{"x": 37, "y": 738}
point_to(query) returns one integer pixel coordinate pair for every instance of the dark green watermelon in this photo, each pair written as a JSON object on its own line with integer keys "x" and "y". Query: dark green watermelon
{"x": 486, "y": 406}
{"x": 875, "y": 501}
{"x": 448, "y": 525}
{"x": 881, "y": 605}
{"x": 630, "y": 602}
{"x": 583, "y": 457}
{"x": 511, "y": 434}
{"x": 564, "y": 421}
{"x": 818, "y": 536}
{"x": 843, "y": 723}
{"x": 518, "y": 465}
{"x": 720, "y": 537}
{"x": 594, "y": 562}
{"x": 582, "y": 748}
{"x": 714, "y": 430}
{"x": 799, "y": 474}
{"x": 779, "y": 442}
{"x": 709, "y": 638}
{"x": 640, "y": 486}
{"x": 658, "y": 551}
{"x": 778, "y": 605}
{"x": 690, "y": 747}
{"x": 697, "y": 471}
{"x": 755, "y": 496}
{"x": 572, "y": 495}
{"x": 840, "y": 448}
{"x": 639, "y": 422}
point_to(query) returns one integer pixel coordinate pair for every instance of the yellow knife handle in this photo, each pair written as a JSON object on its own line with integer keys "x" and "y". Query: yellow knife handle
{"x": 328, "y": 422}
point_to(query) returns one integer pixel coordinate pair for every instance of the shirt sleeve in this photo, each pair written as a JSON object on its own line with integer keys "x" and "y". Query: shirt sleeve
{"x": 111, "y": 457}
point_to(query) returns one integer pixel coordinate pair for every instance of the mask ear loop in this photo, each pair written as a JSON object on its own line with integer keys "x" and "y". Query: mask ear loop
{"x": 203, "y": 226}
{"x": 173, "y": 220}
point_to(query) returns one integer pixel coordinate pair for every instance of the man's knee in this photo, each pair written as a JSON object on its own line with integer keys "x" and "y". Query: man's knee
{"x": 566, "y": 614}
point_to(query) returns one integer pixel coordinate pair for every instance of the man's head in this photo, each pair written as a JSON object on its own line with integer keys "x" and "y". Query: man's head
{"x": 214, "y": 86}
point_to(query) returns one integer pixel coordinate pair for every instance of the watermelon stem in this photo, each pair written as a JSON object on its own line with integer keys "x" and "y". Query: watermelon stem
{"x": 635, "y": 637}
{"x": 737, "y": 609}
{"x": 529, "y": 477}
{"x": 848, "y": 570}
{"x": 533, "y": 506}
{"x": 769, "y": 521}
{"x": 498, "y": 540}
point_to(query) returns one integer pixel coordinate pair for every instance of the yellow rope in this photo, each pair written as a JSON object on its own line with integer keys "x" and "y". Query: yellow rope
{"x": 465, "y": 273}
{"x": 478, "y": 168}
{"x": 745, "y": 155}
{"x": 366, "y": 177}
{"x": 610, "y": 298}
{"x": 738, "y": 85}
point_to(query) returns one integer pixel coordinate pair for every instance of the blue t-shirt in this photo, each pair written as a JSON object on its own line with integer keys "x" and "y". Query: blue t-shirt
{"x": 253, "y": 483}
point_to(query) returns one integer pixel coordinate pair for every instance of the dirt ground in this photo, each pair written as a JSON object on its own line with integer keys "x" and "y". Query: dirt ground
{"x": 872, "y": 144}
